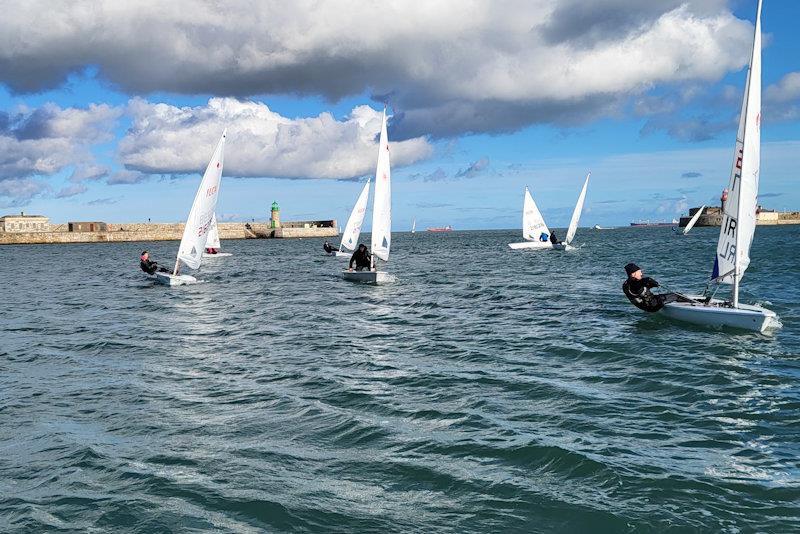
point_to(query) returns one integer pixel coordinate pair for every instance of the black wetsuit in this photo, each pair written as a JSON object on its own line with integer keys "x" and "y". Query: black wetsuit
{"x": 638, "y": 292}
{"x": 553, "y": 239}
{"x": 361, "y": 257}
{"x": 150, "y": 267}
{"x": 327, "y": 248}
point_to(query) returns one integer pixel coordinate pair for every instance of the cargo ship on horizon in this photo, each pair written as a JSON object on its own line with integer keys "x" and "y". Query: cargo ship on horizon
{"x": 447, "y": 228}
{"x": 639, "y": 224}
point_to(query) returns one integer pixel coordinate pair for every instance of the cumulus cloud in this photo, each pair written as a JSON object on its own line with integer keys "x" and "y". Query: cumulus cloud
{"x": 165, "y": 139}
{"x": 448, "y": 67}
{"x": 782, "y": 100}
{"x": 46, "y": 140}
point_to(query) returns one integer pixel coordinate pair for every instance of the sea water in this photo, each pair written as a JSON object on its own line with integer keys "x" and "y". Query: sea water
{"x": 484, "y": 390}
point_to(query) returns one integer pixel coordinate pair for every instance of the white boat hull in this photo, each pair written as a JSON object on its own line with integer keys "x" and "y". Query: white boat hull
{"x": 533, "y": 245}
{"x": 366, "y": 277}
{"x": 341, "y": 254}
{"x": 718, "y": 313}
{"x": 217, "y": 255}
{"x": 168, "y": 279}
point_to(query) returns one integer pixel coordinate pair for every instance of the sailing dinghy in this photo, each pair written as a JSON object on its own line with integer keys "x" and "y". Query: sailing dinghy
{"x": 198, "y": 224}
{"x": 213, "y": 241}
{"x": 738, "y": 222}
{"x": 352, "y": 231}
{"x": 694, "y": 220}
{"x": 535, "y": 230}
{"x": 381, "y": 216}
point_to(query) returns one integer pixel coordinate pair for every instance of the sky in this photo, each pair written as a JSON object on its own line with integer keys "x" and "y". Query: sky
{"x": 110, "y": 110}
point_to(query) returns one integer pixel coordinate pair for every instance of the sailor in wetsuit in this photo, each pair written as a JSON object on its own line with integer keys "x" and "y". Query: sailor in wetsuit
{"x": 328, "y": 248}
{"x": 553, "y": 239}
{"x": 362, "y": 258}
{"x": 637, "y": 288}
{"x": 148, "y": 266}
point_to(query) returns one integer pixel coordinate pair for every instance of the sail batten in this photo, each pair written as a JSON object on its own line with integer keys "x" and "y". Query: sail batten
{"x": 201, "y": 216}
{"x": 382, "y": 204}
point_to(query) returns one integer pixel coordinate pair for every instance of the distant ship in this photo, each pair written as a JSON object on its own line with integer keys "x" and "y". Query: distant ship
{"x": 447, "y": 228}
{"x": 648, "y": 223}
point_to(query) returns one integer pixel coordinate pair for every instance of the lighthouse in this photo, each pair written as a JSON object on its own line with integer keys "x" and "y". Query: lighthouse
{"x": 275, "y": 216}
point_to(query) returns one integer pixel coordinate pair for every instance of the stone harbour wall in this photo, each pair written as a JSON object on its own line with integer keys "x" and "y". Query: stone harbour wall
{"x": 158, "y": 232}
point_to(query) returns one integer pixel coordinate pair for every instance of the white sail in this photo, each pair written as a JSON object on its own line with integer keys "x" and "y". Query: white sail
{"x": 414, "y": 227}
{"x": 532, "y": 221}
{"x": 694, "y": 219}
{"x": 739, "y": 210}
{"x": 213, "y": 234}
{"x": 356, "y": 220}
{"x": 576, "y": 214}
{"x": 382, "y": 202}
{"x": 195, "y": 234}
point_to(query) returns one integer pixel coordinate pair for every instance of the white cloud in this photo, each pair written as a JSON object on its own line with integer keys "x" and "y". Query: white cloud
{"x": 787, "y": 89}
{"x": 165, "y": 139}
{"x": 449, "y": 67}
{"x": 46, "y": 140}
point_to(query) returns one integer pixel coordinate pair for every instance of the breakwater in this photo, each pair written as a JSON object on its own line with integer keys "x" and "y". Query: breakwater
{"x": 59, "y": 233}
{"x": 713, "y": 217}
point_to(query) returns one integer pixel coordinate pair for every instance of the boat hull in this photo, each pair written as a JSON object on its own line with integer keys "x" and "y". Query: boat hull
{"x": 168, "y": 279}
{"x": 366, "y": 277}
{"x": 217, "y": 255}
{"x": 343, "y": 254}
{"x": 718, "y": 313}
{"x": 532, "y": 245}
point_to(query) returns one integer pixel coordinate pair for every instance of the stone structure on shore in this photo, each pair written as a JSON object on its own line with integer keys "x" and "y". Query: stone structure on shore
{"x": 712, "y": 216}
{"x": 92, "y": 232}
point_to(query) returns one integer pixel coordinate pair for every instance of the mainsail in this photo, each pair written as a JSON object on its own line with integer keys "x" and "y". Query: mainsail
{"x": 213, "y": 234}
{"x": 739, "y": 210}
{"x": 532, "y": 221}
{"x": 576, "y": 214}
{"x": 195, "y": 234}
{"x": 694, "y": 219}
{"x": 356, "y": 220}
{"x": 382, "y": 203}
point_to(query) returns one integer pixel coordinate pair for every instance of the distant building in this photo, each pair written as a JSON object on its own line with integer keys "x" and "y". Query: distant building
{"x": 24, "y": 223}
{"x": 87, "y": 226}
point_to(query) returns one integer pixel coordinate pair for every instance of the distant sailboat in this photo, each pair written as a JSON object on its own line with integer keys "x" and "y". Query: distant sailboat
{"x": 381, "y": 216}
{"x": 352, "y": 230}
{"x": 535, "y": 230}
{"x": 195, "y": 233}
{"x": 738, "y": 221}
{"x": 213, "y": 241}
{"x": 414, "y": 226}
{"x": 694, "y": 220}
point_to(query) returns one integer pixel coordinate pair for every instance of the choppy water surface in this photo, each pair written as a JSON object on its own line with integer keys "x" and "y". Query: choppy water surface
{"x": 485, "y": 390}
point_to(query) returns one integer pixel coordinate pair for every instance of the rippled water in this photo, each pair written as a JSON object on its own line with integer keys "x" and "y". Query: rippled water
{"x": 485, "y": 390}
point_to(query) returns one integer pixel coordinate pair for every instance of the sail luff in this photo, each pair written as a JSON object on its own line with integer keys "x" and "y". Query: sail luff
{"x": 694, "y": 220}
{"x": 381, "y": 203}
{"x": 195, "y": 233}
{"x": 576, "y": 214}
